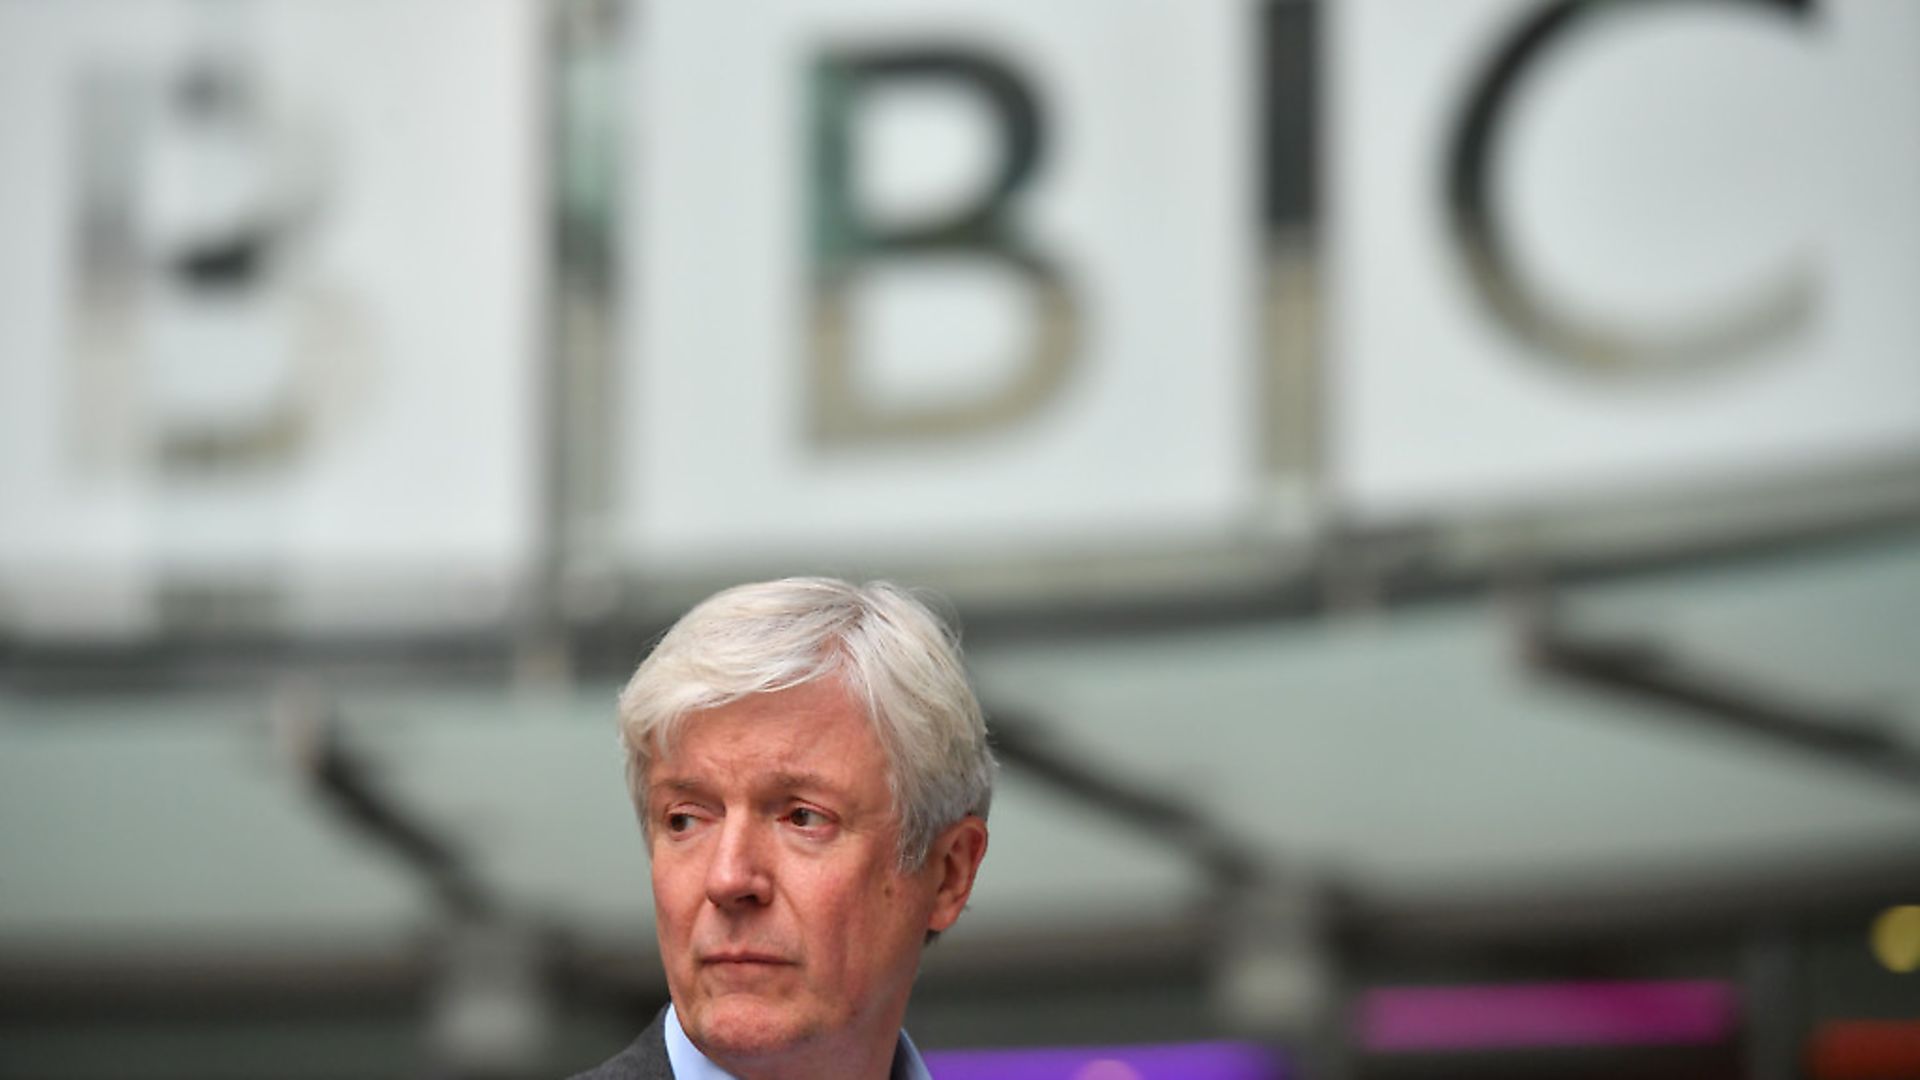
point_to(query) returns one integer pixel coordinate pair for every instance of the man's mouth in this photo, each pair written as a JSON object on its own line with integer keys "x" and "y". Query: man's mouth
{"x": 744, "y": 957}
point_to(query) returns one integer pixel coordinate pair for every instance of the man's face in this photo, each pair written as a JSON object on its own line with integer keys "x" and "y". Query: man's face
{"x": 786, "y": 926}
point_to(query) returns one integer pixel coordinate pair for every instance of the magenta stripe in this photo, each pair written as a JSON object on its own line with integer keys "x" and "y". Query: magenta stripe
{"x": 1400, "y": 1019}
{"x": 1175, "y": 1061}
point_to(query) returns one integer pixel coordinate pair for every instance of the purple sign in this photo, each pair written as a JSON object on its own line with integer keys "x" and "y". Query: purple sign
{"x": 1439, "y": 1018}
{"x": 1182, "y": 1061}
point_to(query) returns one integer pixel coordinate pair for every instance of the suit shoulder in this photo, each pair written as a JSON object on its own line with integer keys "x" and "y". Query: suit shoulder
{"x": 644, "y": 1059}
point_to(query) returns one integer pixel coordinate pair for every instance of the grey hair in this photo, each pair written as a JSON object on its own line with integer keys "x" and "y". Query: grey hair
{"x": 892, "y": 653}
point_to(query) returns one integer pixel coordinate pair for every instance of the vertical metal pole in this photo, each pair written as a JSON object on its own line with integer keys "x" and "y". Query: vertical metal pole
{"x": 1775, "y": 1016}
{"x": 539, "y": 631}
{"x": 1277, "y": 979}
{"x": 580, "y": 84}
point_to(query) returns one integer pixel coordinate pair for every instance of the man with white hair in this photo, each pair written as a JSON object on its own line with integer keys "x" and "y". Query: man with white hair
{"x": 812, "y": 775}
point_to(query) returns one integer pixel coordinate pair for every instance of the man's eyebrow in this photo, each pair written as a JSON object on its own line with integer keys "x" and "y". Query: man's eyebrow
{"x": 782, "y": 780}
{"x": 792, "y": 780}
{"x": 681, "y": 784}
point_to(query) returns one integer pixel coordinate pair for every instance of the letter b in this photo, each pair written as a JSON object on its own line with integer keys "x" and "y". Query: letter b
{"x": 845, "y": 240}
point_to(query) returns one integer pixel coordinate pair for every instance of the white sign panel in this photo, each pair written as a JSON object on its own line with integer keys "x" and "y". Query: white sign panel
{"x": 266, "y": 307}
{"x": 1589, "y": 249}
{"x": 957, "y": 280}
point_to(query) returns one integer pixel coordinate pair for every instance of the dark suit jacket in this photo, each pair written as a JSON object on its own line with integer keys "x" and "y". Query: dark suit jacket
{"x": 644, "y": 1059}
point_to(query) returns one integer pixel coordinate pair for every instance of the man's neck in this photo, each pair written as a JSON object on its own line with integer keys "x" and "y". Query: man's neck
{"x": 865, "y": 1063}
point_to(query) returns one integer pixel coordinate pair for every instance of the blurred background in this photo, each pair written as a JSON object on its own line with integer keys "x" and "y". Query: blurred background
{"x": 1431, "y": 489}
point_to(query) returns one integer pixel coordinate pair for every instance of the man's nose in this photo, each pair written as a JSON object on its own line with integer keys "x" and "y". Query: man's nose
{"x": 739, "y": 874}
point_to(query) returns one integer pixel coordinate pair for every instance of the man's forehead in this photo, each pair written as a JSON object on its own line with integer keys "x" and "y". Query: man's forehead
{"x": 812, "y": 736}
{"x": 780, "y": 722}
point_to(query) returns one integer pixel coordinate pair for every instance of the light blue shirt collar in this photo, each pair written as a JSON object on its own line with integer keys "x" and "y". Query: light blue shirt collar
{"x": 690, "y": 1064}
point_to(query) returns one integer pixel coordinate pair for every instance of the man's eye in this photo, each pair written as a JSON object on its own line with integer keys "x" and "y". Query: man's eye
{"x": 806, "y": 818}
{"x": 679, "y": 822}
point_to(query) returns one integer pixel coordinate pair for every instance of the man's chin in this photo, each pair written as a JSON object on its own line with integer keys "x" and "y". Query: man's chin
{"x": 741, "y": 1025}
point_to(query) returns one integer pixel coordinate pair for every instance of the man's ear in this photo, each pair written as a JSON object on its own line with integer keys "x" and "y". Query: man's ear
{"x": 954, "y": 860}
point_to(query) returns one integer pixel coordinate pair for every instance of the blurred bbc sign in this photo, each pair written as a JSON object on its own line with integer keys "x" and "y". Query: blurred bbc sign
{"x": 941, "y": 283}
{"x": 948, "y": 284}
{"x": 266, "y": 311}
{"x": 1587, "y": 249}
